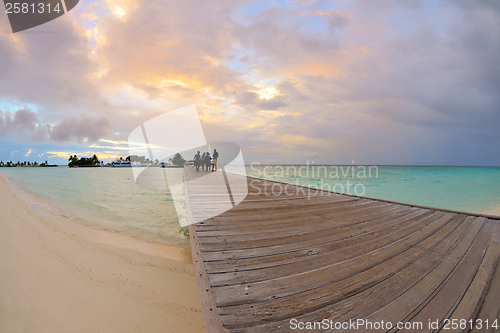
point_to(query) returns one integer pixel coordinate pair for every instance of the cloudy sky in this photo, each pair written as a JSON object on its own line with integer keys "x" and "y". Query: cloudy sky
{"x": 374, "y": 82}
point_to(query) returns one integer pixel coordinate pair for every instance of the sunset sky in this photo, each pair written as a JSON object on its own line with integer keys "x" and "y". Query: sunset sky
{"x": 375, "y": 82}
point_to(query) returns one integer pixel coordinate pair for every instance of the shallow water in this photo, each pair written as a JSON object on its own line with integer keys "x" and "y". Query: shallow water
{"x": 106, "y": 198}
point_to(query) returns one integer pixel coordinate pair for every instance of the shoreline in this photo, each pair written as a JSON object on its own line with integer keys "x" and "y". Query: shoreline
{"x": 179, "y": 251}
{"x": 60, "y": 275}
{"x": 43, "y": 205}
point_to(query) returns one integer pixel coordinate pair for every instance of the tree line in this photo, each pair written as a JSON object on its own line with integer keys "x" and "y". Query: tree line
{"x": 140, "y": 159}
{"x": 177, "y": 159}
{"x": 11, "y": 164}
{"x": 74, "y": 161}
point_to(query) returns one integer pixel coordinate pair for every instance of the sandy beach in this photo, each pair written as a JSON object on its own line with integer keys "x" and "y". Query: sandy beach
{"x": 495, "y": 211}
{"x": 59, "y": 276}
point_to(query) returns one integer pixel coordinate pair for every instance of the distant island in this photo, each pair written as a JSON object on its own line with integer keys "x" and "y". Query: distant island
{"x": 176, "y": 160}
{"x": 81, "y": 162}
{"x": 136, "y": 160}
{"x": 75, "y": 162}
{"x": 11, "y": 164}
{"x": 140, "y": 159}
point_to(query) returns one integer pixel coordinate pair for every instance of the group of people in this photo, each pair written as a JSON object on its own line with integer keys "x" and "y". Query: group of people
{"x": 205, "y": 161}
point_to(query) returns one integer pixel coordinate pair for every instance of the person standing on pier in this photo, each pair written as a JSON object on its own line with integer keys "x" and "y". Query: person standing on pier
{"x": 208, "y": 161}
{"x": 214, "y": 163}
{"x": 202, "y": 162}
{"x": 197, "y": 161}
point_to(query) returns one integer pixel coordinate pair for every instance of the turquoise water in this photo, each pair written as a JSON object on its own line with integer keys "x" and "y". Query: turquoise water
{"x": 108, "y": 198}
{"x": 470, "y": 189}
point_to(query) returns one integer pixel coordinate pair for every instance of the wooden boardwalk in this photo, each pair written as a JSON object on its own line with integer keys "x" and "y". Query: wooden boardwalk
{"x": 312, "y": 255}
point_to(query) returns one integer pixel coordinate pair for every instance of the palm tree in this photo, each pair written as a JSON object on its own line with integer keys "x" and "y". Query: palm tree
{"x": 177, "y": 159}
{"x": 73, "y": 160}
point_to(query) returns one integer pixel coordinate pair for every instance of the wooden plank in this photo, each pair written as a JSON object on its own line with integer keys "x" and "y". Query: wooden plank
{"x": 321, "y": 224}
{"x": 448, "y": 295}
{"x": 470, "y": 304}
{"x": 298, "y": 219}
{"x": 212, "y": 319}
{"x": 248, "y": 241}
{"x": 414, "y": 296}
{"x": 316, "y": 246}
{"x": 355, "y": 306}
{"x": 285, "y": 306}
{"x": 344, "y": 226}
{"x": 313, "y": 255}
{"x": 263, "y": 217}
{"x": 316, "y": 267}
{"x": 489, "y": 310}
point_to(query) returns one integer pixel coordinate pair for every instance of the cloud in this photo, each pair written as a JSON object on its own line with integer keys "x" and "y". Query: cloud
{"x": 26, "y": 126}
{"x": 391, "y": 83}
{"x": 81, "y": 130}
{"x": 51, "y": 70}
{"x": 22, "y": 124}
{"x": 250, "y": 98}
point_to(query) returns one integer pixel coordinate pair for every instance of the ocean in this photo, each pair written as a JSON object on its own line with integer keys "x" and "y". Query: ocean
{"x": 109, "y": 198}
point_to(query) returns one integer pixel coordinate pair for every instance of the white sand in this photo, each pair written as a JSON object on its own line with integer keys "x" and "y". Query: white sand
{"x": 495, "y": 211}
{"x": 60, "y": 276}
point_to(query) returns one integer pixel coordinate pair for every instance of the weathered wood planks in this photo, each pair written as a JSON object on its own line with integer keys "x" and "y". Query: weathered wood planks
{"x": 298, "y": 255}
